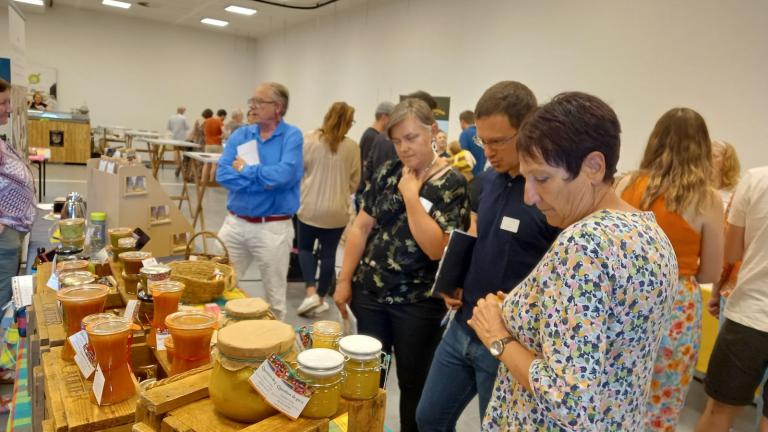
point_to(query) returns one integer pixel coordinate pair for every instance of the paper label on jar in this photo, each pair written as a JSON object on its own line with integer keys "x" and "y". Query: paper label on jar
{"x": 98, "y": 384}
{"x": 160, "y": 338}
{"x": 53, "y": 282}
{"x": 85, "y": 363}
{"x": 130, "y": 310}
{"x": 149, "y": 262}
{"x": 277, "y": 392}
{"x": 101, "y": 255}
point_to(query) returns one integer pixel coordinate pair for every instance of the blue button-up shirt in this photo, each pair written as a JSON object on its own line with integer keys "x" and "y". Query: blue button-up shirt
{"x": 467, "y": 142}
{"x": 271, "y": 187}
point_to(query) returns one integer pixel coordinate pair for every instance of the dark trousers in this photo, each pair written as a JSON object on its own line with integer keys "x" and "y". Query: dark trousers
{"x": 413, "y": 331}
{"x": 329, "y": 242}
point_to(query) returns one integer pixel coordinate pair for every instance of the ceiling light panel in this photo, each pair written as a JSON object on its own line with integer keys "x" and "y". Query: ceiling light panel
{"x": 214, "y": 22}
{"x": 115, "y": 3}
{"x": 240, "y": 10}
{"x": 31, "y": 2}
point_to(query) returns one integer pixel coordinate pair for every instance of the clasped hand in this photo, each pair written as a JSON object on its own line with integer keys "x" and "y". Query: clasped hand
{"x": 410, "y": 183}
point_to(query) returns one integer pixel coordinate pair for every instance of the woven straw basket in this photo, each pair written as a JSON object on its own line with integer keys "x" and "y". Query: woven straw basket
{"x": 201, "y": 283}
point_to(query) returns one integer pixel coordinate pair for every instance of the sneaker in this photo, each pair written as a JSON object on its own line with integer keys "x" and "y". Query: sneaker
{"x": 308, "y": 304}
{"x": 320, "y": 309}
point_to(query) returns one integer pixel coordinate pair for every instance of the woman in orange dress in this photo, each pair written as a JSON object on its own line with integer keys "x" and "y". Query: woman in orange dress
{"x": 675, "y": 183}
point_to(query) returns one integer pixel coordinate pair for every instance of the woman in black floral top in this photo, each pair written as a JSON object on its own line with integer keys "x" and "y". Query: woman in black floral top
{"x": 408, "y": 208}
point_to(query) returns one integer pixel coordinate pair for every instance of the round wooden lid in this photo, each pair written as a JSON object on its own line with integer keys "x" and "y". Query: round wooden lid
{"x": 255, "y": 339}
{"x": 251, "y": 307}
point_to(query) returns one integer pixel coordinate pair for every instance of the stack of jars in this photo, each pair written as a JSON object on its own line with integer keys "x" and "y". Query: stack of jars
{"x": 72, "y": 233}
{"x": 132, "y": 264}
{"x": 77, "y": 302}
{"x": 165, "y": 298}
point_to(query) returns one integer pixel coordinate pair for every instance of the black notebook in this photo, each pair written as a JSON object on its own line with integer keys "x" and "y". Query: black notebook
{"x": 455, "y": 263}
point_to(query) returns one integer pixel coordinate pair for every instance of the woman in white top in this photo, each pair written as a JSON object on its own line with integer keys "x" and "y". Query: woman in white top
{"x": 331, "y": 176}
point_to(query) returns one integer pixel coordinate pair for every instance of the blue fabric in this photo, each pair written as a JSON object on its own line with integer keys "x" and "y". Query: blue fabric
{"x": 502, "y": 259}
{"x": 9, "y": 267}
{"x": 461, "y": 368}
{"x": 467, "y": 142}
{"x": 271, "y": 187}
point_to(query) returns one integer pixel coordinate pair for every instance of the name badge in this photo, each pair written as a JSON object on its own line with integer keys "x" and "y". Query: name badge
{"x": 510, "y": 224}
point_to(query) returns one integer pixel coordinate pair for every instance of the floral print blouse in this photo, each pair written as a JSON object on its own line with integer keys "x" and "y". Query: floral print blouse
{"x": 592, "y": 313}
{"x": 394, "y": 269}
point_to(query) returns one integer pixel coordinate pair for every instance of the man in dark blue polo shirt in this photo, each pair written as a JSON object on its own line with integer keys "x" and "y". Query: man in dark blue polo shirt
{"x": 511, "y": 239}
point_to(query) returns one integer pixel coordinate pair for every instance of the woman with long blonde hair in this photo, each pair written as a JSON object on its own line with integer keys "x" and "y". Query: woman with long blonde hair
{"x": 675, "y": 183}
{"x": 331, "y": 176}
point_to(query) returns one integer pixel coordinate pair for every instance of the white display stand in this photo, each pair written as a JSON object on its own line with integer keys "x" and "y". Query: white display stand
{"x": 133, "y": 198}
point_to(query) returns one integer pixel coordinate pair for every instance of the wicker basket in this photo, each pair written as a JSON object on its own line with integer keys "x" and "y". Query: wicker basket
{"x": 195, "y": 256}
{"x": 201, "y": 285}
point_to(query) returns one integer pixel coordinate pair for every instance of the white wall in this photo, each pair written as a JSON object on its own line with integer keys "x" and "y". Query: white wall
{"x": 134, "y": 72}
{"x": 641, "y": 57}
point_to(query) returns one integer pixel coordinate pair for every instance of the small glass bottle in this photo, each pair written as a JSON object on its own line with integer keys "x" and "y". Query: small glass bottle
{"x": 362, "y": 366}
{"x": 322, "y": 368}
{"x": 326, "y": 334}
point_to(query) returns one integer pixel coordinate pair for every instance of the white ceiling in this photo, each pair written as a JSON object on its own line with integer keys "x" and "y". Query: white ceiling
{"x": 189, "y": 12}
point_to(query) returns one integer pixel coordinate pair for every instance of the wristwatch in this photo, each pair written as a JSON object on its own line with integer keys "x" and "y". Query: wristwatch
{"x": 497, "y": 346}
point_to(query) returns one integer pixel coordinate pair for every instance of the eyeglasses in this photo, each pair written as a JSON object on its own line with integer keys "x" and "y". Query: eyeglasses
{"x": 498, "y": 142}
{"x": 259, "y": 102}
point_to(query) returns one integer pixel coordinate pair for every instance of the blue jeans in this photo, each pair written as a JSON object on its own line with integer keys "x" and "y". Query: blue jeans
{"x": 9, "y": 267}
{"x": 461, "y": 368}
{"x": 329, "y": 242}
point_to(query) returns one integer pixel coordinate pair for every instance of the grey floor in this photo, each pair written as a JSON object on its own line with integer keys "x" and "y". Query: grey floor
{"x": 68, "y": 178}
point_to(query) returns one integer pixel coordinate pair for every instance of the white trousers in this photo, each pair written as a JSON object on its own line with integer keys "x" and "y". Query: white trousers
{"x": 269, "y": 246}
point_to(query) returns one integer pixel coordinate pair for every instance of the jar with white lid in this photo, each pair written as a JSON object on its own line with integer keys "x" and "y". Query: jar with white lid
{"x": 322, "y": 368}
{"x": 362, "y": 366}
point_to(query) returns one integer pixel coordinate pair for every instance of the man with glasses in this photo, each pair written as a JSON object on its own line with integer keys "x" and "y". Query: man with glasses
{"x": 263, "y": 181}
{"x": 511, "y": 239}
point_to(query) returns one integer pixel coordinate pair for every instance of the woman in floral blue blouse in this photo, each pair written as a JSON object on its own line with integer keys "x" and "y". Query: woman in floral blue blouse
{"x": 408, "y": 208}
{"x": 577, "y": 339}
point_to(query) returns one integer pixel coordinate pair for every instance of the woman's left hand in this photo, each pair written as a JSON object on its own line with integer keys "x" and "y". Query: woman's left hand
{"x": 410, "y": 183}
{"x": 487, "y": 321}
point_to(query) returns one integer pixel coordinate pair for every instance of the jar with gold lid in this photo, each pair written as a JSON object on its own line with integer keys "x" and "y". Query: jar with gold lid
{"x": 326, "y": 334}
{"x": 241, "y": 347}
{"x": 250, "y": 308}
{"x": 362, "y": 366}
{"x": 322, "y": 368}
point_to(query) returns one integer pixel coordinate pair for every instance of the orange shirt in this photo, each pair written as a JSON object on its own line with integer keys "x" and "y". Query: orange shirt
{"x": 212, "y": 130}
{"x": 685, "y": 240}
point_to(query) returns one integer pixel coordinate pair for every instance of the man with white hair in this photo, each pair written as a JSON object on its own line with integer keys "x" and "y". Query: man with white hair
{"x": 177, "y": 124}
{"x": 263, "y": 192}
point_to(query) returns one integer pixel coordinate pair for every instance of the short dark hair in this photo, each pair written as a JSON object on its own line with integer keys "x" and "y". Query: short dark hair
{"x": 423, "y": 96}
{"x": 4, "y": 85}
{"x": 467, "y": 117}
{"x": 221, "y": 113}
{"x": 567, "y": 129}
{"x": 511, "y": 98}
{"x": 207, "y": 113}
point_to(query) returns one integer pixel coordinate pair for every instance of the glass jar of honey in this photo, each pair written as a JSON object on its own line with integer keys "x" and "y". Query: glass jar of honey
{"x": 130, "y": 282}
{"x": 362, "y": 366}
{"x": 165, "y": 297}
{"x": 71, "y": 229}
{"x": 149, "y": 274}
{"x": 90, "y": 319}
{"x": 170, "y": 348}
{"x": 110, "y": 340}
{"x": 76, "y": 278}
{"x": 322, "y": 369}
{"x": 115, "y": 234}
{"x": 192, "y": 332}
{"x": 132, "y": 261}
{"x": 250, "y": 308}
{"x": 71, "y": 266}
{"x": 326, "y": 334}
{"x": 240, "y": 349}
{"x": 77, "y": 302}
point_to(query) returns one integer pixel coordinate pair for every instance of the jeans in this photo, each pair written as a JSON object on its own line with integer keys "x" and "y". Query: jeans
{"x": 269, "y": 246}
{"x": 462, "y": 367}
{"x": 329, "y": 241}
{"x": 413, "y": 330}
{"x": 9, "y": 267}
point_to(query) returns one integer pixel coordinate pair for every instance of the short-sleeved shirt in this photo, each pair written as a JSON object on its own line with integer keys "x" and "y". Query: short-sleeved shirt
{"x": 212, "y": 130}
{"x": 748, "y": 305}
{"x": 467, "y": 142}
{"x": 393, "y": 268}
{"x": 511, "y": 239}
{"x": 592, "y": 312}
{"x": 366, "y": 144}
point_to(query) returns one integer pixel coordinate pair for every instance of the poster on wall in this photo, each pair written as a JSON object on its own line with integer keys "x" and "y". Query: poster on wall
{"x": 441, "y": 113}
{"x": 42, "y": 80}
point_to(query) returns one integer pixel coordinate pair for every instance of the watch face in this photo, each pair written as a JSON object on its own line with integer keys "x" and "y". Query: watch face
{"x": 496, "y": 348}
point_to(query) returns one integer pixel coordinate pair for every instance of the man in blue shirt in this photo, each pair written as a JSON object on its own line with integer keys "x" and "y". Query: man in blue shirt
{"x": 263, "y": 181}
{"x": 467, "y": 141}
{"x": 511, "y": 239}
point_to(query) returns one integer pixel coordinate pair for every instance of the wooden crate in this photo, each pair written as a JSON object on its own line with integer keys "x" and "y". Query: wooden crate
{"x": 67, "y": 397}
{"x": 181, "y": 404}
